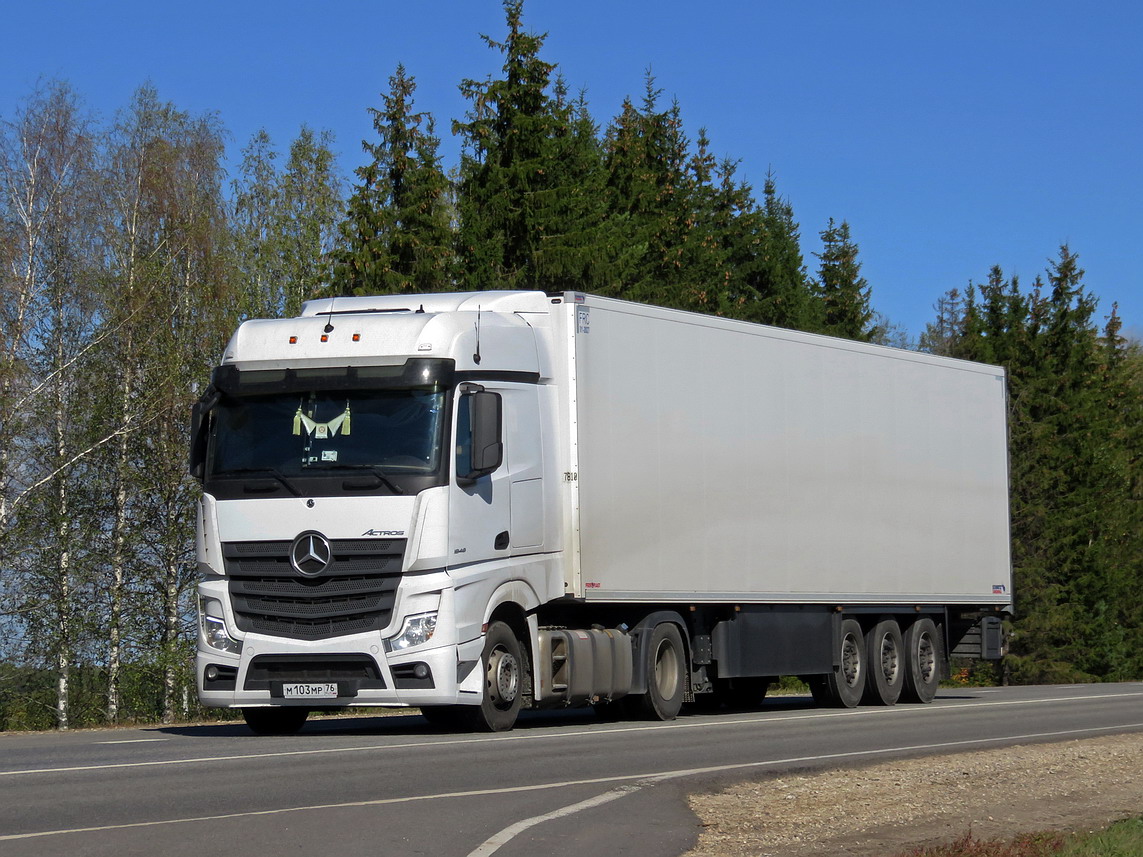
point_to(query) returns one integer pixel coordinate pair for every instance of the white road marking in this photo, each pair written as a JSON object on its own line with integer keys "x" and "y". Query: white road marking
{"x": 619, "y": 778}
{"x": 567, "y": 733}
{"x": 135, "y": 741}
{"x": 493, "y": 843}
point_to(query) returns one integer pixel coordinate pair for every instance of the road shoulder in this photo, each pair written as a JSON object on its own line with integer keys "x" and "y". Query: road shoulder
{"x": 878, "y": 810}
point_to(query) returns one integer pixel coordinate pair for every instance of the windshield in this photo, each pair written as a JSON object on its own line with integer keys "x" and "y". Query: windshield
{"x": 312, "y": 442}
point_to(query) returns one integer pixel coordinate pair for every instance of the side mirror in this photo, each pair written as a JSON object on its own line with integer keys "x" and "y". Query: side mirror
{"x": 485, "y": 419}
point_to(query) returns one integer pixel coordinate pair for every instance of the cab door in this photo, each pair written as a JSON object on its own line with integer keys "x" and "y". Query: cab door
{"x": 480, "y": 489}
{"x": 503, "y": 512}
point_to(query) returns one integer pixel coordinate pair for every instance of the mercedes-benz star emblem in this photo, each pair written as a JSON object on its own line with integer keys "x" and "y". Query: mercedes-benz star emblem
{"x": 310, "y": 554}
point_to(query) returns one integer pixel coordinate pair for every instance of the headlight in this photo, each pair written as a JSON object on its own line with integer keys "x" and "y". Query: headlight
{"x": 416, "y": 631}
{"x": 212, "y": 627}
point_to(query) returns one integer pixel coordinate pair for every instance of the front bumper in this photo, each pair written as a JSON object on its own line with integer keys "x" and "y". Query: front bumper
{"x": 363, "y": 673}
{"x": 366, "y": 669}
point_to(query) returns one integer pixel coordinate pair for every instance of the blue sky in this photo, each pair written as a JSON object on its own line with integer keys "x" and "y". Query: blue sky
{"x": 952, "y": 137}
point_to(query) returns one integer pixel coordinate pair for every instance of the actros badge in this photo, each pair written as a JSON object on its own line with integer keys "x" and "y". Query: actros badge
{"x": 310, "y": 554}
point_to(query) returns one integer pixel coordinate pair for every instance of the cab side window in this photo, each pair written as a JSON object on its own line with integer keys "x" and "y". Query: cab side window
{"x": 463, "y": 436}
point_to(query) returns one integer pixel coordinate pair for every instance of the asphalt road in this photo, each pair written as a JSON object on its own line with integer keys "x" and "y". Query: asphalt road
{"x": 395, "y": 786}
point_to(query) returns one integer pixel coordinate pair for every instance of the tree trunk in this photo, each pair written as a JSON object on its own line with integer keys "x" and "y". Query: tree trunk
{"x": 170, "y": 639}
{"x": 63, "y": 590}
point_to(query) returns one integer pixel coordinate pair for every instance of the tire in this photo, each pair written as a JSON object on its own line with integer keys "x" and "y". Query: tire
{"x": 844, "y": 687}
{"x": 922, "y": 662}
{"x": 664, "y": 662}
{"x": 275, "y": 721}
{"x": 505, "y": 674}
{"x": 885, "y": 657}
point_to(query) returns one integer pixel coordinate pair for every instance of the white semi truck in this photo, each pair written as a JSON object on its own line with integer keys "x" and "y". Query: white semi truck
{"x": 478, "y": 503}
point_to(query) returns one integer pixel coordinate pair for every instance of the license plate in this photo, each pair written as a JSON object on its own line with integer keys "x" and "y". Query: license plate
{"x": 325, "y": 690}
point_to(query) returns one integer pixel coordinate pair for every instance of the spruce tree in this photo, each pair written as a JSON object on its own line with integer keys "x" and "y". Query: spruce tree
{"x": 729, "y": 231}
{"x": 844, "y": 292}
{"x": 507, "y": 183}
{"x": 573, "y": 249}
{"x": 779, "y": 282}
{"x": 397, "y": 236}
{"x": 715, "y": 242}
{"x": 1075, "y": 473}
{"x": 650, "y": 199}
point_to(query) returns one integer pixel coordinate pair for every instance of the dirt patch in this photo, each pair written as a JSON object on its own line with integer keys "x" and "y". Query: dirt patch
{"x": 881, "y": 810}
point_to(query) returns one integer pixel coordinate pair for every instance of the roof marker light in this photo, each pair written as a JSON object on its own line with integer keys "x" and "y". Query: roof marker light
{"x": 357, "y": 337}
{"x": 293, "y": 340}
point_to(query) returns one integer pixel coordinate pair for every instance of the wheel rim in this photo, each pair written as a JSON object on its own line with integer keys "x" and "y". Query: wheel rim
{"x": 926, "y": 658}
{"x": 503, "y": 678}
{"x": 851, "y": 660}
{"x": 666, "y": 669}
{"x": 890, "y": 659}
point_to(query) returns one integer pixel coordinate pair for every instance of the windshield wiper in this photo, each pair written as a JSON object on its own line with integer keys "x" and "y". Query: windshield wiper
{"x": 373, "y": 470}
{"x": 269, "y": 471}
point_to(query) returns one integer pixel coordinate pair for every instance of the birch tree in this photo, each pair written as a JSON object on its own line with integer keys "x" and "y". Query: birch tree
{"x": 46, "y": 179}
{"x": 166, "y": 277}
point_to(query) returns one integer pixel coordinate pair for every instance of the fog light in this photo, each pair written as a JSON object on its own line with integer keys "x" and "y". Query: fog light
{"x": 212, "y": 673}
{"x": 421, "y": 671}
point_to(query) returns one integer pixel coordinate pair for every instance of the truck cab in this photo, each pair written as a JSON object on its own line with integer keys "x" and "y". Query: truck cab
{"x": 379, "y": 477}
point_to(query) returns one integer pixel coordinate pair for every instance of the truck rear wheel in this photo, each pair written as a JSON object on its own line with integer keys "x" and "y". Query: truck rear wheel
{"x": 275, "y": 721}
{"x": 504, "y": 677}
{"x": 922, "y": 661}
{"x": 884, "y": 656}
{"x": 844, "y": 686}
{"x": 664, "y": 662}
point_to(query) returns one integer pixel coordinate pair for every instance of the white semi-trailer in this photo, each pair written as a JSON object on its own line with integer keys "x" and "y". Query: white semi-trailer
{"x": 477, "y": 503}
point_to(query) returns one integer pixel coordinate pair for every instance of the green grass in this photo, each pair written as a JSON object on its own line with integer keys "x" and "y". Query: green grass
{"x": 1124, "y": 839}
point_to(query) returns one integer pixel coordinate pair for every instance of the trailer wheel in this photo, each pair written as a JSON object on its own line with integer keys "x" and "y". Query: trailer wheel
{"x": 845, "y": 685}
{"x": 665, "y": 663}
{"x": 503, "y": 661}
{"x": 275, "y": 721}
{"x": 884, "y": 655}
{"x": 922, "y": 662}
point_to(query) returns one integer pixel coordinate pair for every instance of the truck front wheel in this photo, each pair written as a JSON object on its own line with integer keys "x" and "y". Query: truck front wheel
{"x": 504, "y": 677}
{"x": 664, "y": 659}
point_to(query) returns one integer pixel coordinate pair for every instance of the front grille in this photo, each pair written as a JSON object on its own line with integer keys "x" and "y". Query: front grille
{"x": 354, "y": 594}
{"x": 361, "y": 670}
